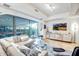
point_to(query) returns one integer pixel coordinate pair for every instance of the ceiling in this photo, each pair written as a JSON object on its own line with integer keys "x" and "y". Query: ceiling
{"x": 46, "y": 11}
{"x": 52, "y": 9}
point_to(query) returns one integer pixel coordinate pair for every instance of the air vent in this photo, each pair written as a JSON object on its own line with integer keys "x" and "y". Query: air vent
{"x": 36, "y": 10}
{"x": 6, "y": 5}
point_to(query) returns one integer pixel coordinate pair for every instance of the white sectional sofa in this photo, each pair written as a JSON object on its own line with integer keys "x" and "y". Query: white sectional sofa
{"x": 10, "y": 49}
{"x": 9, "y": 46}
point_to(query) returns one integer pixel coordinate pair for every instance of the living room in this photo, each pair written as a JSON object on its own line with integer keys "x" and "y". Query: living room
{"x": 29, "y": 29}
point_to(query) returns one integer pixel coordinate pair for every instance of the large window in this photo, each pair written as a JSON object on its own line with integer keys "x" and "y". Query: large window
{"x": 22, "y": 26}
{"x": 6, "y": 26}
{"x": 13, "y": 25}
{"x": 33, "y": 29}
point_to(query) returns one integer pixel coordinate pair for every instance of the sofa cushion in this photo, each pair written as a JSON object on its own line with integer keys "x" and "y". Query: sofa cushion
{"x": 2, "y": 52}
{"x": 43, "y": 53}
{"x": 26, "y": 43}
{"x": 22, "y": 47}
{"x": 24, "y": 37}
{"x": 4, "y": 44}
{"x": 21, "y": 43}
{"x": 15, "y": 38}
{"x": 29, "y": 43}
{"x": 18, "y": 39}
{"x": 33, "y": 52}
{"x": 10, "y": 39}
{"x": 14, "y": 51}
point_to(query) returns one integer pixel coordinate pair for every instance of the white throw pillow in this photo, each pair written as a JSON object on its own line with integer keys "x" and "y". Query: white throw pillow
{"x": 24, "y": 38}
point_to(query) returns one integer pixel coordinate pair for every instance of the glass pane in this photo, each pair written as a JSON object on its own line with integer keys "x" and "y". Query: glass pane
{"x": 22, "y": 26}
{"x": 6, "y": 26}
{"x": 33, "y": 29}
{"x": 19, "y": 26}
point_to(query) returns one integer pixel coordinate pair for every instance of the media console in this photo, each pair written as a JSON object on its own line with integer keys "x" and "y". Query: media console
{"x": 60, "y": 36}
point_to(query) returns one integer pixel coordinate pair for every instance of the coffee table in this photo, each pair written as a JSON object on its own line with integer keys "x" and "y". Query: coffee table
{"x": 52, "y": 51}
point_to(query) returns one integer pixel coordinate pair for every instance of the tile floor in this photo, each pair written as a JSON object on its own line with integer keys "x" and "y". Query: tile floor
{"x": 65, "y": 45}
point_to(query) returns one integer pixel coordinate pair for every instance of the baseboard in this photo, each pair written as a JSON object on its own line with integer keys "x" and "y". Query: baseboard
{"x": 60, "y": 40}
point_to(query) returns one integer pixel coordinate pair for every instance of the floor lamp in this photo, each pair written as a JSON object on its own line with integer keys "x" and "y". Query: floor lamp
{"x": 74, "y": 30}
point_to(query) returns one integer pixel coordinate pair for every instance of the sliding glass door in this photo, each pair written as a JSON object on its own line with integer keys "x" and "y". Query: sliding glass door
{"x": 33, "y": 29}
{"x": 22, "y": 26}
{"x": 13, "y": 25}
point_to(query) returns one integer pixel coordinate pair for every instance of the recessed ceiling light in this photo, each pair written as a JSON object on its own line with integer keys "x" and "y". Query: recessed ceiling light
{"x": 36, "y": 10}
{"x": 53, "y": 7}
{"x": 50, "y": 7}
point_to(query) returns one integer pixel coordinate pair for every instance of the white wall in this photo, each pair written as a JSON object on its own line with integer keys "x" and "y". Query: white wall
{"x": 69, "y": 22}
{"x": 77, "y": 33}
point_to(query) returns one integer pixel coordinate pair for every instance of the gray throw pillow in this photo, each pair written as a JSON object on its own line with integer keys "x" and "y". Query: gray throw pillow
{"x": 25, "y": 51}
{"x": 33, "y": 52}
{"x": 29, "y": 52}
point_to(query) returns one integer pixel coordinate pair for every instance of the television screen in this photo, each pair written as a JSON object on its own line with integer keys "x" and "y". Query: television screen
{"x": 60, "y": 26}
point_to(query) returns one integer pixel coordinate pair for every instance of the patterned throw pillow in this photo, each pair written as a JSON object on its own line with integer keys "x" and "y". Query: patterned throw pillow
{"x": 30, "y": 52}
{"x": 33, "y": 52}
{"x": 25, "y": 51}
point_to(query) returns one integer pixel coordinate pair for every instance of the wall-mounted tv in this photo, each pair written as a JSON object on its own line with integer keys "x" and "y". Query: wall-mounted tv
{"x": 60, "y": 26}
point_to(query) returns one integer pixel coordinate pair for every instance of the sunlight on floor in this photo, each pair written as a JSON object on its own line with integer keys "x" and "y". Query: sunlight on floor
{"x": 65, "y": 45}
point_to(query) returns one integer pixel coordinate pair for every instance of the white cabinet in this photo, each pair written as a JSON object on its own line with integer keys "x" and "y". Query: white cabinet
{"x": 60, "y": 36}
{"x": 55, "y": 36}
{"x": 67, "y": 37}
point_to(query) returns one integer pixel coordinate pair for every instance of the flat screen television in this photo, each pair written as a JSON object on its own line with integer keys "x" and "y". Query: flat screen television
{"x": 60, "y": 26}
